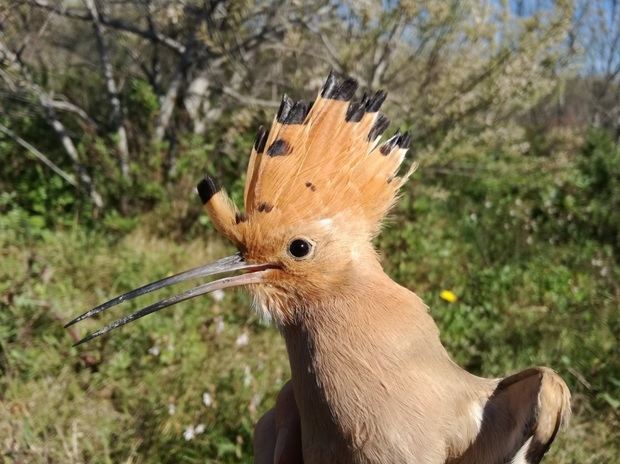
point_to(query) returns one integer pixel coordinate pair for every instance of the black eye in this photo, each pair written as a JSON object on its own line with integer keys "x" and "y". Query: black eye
{"x": 299, "y": 248}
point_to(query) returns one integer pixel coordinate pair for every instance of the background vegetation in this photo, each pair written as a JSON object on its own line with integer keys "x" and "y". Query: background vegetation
{"x": 110, "y": 111}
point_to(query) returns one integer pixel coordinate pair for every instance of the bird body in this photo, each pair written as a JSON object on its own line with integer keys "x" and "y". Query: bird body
{"x": 371, "y": 381}
{"x": 380, "y": 388}
{"x": 380, "y": 384}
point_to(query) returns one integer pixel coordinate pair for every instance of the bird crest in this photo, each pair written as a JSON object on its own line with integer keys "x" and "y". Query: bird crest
{"x": 319, "y": 161}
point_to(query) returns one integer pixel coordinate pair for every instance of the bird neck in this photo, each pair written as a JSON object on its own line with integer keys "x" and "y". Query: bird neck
{"x": 346, "y": 353}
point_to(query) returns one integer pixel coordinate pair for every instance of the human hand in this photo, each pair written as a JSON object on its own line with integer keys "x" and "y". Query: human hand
{"x": 277, "y": 435}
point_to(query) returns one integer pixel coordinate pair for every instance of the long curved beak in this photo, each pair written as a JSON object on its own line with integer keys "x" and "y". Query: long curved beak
{"x": 255, "y": 273}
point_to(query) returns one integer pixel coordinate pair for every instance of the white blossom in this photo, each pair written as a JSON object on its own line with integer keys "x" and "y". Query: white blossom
{"x": 189, "y": 433}
{"x": 243, "y": 339}
{"x": 217, "y": 295}
{"x": 255, "y": 402}
{"x": 219, "y": 325}
{"x": 154, "y": 350}
{"x": 247, "y": 376}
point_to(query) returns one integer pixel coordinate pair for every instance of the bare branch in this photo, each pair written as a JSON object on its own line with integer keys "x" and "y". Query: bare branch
{"x": 40, "y": 156}
{"x": 13, "y": 62}
{"x": 332, "y": 54}
{"x": 111, "y": 87}
{"x": 167, "y": 104}
{"x": 383, "y": 54}
{"x": 64, "y": 105}
{"x": 114, "y": 23}
{"x": 94, "y": 196}
{"x": 249, "y": 100}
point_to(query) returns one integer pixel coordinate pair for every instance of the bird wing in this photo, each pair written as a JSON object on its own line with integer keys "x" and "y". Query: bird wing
{"x": 520, "y": 419}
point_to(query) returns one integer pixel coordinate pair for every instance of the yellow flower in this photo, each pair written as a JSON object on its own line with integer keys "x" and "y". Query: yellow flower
{"x": 448, "y": 295}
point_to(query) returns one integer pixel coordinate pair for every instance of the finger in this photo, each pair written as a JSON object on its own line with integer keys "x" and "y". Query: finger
{"x": 288, "y": 426}
{"x": 265, "y": 438}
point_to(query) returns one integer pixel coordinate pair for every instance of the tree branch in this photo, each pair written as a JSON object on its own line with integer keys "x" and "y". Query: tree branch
{"x": 40, "y": 156}
{"x": 64, "y": 105}
{"x": 13, "y": 61}
{"x": 114, "y": 23}
{"x": 250, "y": 100}
{"x": 111, "y": 87}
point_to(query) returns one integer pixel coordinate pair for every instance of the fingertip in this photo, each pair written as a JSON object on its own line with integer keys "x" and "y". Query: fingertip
{"x": 265, "y": 438}
{"x": 288, "y": 446}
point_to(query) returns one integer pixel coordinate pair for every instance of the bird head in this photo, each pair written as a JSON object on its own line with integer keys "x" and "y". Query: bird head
{"x": 318, "y": 185}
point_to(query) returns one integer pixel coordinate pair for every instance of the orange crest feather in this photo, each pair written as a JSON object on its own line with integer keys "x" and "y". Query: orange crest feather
{"x": 319, "y": 161}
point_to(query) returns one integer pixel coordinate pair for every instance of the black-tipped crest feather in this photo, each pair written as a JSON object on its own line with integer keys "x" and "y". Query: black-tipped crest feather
{"x": 330, "y": 84}
{"x": 285, "y": 107}
{"x": 355, "y": 112}
{"x": 379, "y": 127}
{"x": 404, "y": 140}
{"x": 208, "y": 187}
{"x": 296, "y": 114}
{"x": 374, "y": 103}
{"x": 335, "y": 89}
{"x": 261, "y": 140}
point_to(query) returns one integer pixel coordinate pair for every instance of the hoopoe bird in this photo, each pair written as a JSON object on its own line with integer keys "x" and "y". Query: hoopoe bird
{"x": 371, "y": 382}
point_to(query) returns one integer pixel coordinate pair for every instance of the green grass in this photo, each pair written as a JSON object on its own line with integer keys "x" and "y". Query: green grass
{"x": 131, "y": 396}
